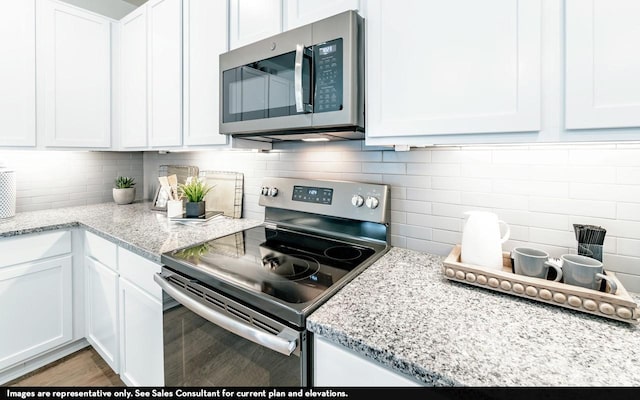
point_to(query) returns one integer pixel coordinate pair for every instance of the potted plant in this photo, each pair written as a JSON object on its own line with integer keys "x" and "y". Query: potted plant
{"x": 195, "y": 190}
{"x": 124, "y": 192}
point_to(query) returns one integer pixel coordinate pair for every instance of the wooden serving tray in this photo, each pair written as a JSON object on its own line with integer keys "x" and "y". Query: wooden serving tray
{"x": 619, "y": 306}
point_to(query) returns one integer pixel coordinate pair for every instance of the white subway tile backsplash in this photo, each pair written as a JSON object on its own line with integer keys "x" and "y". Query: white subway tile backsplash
{"x": 433, "y": 169}
{"x": 461, "y": 156}
{"x": 415, "y": 181}
{"x": 430, "y": 195}
{"x": 495, "y": 200}
{"x": 529, "y": 187}
{"x": 412, "y": 206}
{"x": 412, "y": 231}
{"x": 628, "y": 247}
{"x": 388, "y": 168}
{"x": 573, "y": 207}
{"x": 552, "y": 237}
{"x": 541, "y": 191}
{"x": 461, "y": 183}
{"x": 629, "y": 211}
{"x": 419, "y": 155}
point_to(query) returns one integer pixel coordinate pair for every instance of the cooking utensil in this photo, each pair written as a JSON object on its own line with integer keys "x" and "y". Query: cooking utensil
{"x": 164, "y": 183}
{"x": 173, "y": 184}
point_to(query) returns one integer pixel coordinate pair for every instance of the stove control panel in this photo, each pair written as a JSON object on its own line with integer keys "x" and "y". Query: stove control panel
{"x": 351, "y": 200}
{"x": 269, "y": 191}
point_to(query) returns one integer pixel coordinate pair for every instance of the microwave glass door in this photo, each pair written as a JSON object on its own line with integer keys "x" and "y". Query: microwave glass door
{"x": 266, "y": 89}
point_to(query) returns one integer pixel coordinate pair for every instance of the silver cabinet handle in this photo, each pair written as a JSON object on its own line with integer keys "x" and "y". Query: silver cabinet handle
{"x": 297, "y": 77}
{"x": 272, "y": 342}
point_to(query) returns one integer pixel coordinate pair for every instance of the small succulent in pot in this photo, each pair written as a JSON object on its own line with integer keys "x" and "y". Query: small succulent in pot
{"x": 125, "y": 182}
{"x": 124, "y": 191}
{"x": 195, "y": 190}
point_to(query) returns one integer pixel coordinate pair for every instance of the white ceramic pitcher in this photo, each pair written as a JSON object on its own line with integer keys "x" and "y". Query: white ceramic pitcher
{"x": 481, "y": 239}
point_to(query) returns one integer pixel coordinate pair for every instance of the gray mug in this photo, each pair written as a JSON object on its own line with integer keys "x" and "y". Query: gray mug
{"x": 533, "y": 262}
{"x": 584, "y": 271}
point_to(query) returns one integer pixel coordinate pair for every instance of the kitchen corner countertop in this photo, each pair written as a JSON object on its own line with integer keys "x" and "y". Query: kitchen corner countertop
{"x": 402, "y": 313}
{"x": 133, "y": 226}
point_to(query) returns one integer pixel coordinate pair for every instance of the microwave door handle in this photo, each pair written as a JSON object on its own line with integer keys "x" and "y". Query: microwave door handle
{"x": 276, "y": 343}
{"x": 297, "y": 78}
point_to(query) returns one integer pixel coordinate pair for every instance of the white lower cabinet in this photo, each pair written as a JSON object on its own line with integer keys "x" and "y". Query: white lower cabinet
{"x": 102, "y": 310}
{"x": 141, "y": 347}
{"x": 334, "y": 365}
{"x": 124, "y": 311}
{"x": 36, "y": 308}
{"x": 141, "y": 341}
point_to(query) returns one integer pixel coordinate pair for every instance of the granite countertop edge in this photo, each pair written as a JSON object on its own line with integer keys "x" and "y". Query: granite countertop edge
{"x": 443, "y": 333}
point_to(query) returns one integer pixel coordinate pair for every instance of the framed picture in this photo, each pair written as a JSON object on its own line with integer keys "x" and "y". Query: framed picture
{"x": 160, "y": 200}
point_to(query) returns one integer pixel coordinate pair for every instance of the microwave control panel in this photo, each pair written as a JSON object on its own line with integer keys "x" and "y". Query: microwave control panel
{"x": 328, "y": 76}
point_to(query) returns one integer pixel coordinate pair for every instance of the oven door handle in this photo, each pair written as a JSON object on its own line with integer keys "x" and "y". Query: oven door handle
{"x": 272, "y": 342}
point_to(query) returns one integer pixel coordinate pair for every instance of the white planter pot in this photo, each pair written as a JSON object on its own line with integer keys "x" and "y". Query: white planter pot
{"x": 124, "y": 196}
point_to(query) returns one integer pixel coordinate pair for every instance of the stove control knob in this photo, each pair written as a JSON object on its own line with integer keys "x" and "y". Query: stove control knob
{"x": 357, "y": 200}
{"x": 273, "y": 192}
{"x": 264, "y": 191}
{"x": 372, "y": 202}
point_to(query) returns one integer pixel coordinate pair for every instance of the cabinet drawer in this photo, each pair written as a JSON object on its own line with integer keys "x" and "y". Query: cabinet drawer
{"x": 33, "y": 247}
{"x": 139, "y": 271}
{"x": 101, "y": 250}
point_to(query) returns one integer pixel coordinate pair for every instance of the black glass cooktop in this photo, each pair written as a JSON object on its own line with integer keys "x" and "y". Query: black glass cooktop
{"x": 273, "y": 268}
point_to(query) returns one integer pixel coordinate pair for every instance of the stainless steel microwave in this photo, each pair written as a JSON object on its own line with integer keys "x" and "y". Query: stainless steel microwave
{"x": 306, "y": 83}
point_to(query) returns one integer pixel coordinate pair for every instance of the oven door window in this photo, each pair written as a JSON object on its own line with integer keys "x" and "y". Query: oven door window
{"x": 200, "y": 353}
{"x": 265, "y": 89}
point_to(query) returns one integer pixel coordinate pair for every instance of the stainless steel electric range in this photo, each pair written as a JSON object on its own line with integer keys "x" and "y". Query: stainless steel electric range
{"x": 241, "y": 301}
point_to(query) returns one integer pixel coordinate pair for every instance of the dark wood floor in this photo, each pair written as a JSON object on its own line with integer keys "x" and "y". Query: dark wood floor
{"x": 82, "y": 368}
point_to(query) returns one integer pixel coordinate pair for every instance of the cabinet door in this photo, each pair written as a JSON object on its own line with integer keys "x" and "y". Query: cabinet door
{"x": 133, "y": 74}
{"x": 452, "y": 67}
{"x": 141, "y": 343}
{"x": 602, "y": 64}
{"x": 301, "y": 12}
{"x": 252, "y": 20}
{"x": 165, "y": 72}
{"x": 76, "y": 59}
{"x": 36, "y": 308}
{"x": 334, "y": 365}
{"x": 102, "y": 310}
{"x": 205, "y": 38}
{"x": 18, "y": 73}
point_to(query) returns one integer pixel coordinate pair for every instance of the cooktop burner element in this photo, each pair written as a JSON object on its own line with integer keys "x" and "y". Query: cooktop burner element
{"x": 314, "y": 239}
{"x": 342, "y": 253}
{"x": 292, "y": 267}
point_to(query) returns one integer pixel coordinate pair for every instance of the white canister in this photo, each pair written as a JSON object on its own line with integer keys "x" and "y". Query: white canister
{"x": 7, "y": 193}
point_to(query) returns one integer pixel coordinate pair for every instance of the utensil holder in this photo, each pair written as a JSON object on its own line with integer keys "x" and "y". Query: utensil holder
{"x": 590, "y": 250}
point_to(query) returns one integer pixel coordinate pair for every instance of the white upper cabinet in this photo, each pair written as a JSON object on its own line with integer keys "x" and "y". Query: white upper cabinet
{"x": 75, "y": 59}
{"x": 133, "y": 79}
{"x": 165, "y": 72}
{"x": 451, "y": 67}
{"x": 302, "y": 12}
{"x": 602, "y": 64}
{"x": 18, "y": 73}
{"x": 204, "y": 39}
{"x": 252, "y": 20}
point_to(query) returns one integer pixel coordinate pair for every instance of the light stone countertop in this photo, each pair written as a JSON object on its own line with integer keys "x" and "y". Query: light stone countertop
{"x": 402, "y": 313}
{"x": 133, "y": 226}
